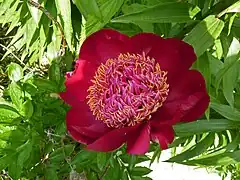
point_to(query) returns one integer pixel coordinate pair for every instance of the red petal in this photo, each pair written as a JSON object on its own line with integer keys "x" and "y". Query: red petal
{"x": 187, "y": 83}
{"x": 194, "y": 107}
{"x": 78, "y": 82}
{"x": 173, "y": 55}
{"x": 187, "y": 100}
{"x": 164, "y": 135}
{"x": 82, "y": 125}
{"x": 139, "y": 141}
{"x": 103, "y": 45}
{"x": 145, "y": 43}
{"x": 111, "y": 140}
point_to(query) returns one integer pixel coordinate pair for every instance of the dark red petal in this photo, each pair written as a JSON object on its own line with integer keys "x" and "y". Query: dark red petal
{"x": 145, "y": 43}
{"x": 95, "y": 130}
{"x": 80, "y": 116}
{"x": 138, "y": 142}
{"x": 186, "y": 84}
{"x": 78, "y": 82}
{"x": 79, "y": 137}
{"x": 173, "y": 55}
{"x": 82, "y": 125}
{"x": 103, "y": 45}
{"x": 164, "y": 135}
{"x": 187, "y": 100}
{"x": 111, "y": 140}
{"x": 194, "y": 107}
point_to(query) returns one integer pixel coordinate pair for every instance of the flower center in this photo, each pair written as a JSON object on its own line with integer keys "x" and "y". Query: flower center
{"x": 126, "y": 90}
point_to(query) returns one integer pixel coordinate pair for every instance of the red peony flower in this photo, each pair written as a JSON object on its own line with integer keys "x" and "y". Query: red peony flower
{"x": 132, "y": 90}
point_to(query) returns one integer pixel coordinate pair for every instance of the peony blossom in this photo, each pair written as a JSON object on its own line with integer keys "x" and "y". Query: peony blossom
{"x": 132, "y": 90}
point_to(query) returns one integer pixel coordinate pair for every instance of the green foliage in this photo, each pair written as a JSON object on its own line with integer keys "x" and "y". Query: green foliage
{"x": 39, "y": 42}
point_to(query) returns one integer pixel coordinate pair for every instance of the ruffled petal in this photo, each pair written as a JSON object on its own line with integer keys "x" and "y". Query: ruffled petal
{"x": 82, "y": 125}
{"x": 78, "y": 82}
{"x": 139, "y": 141}
{"x": 164, "y": 135}
{"x": 173, "y": 55}
{"x": 187, "y": 100}
{"x": 102, "y": 45}
{"x": 112, "y": 140}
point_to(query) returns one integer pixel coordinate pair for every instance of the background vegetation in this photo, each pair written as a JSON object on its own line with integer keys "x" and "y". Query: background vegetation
{"x": 39, "y": 41}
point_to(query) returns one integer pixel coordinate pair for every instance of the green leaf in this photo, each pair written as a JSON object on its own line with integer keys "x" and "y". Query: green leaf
{"x": 220, "y": 159}
{"x": 10, "y": 12}
{"x": 234, "y": 144}
{"x": 27, "y": 109}
{"x": 125, "y": 175}
{"x": 15, "y": 92}
{"x": 202, "y": 126}
{"x": 226, "y": 111}
{"x": 4, "y": 161}
{"x": 133, "y": 8}
{"x": 196, "y": 150}
{"x": 5, "y": 6}
{"x": 140, "y": 171}
{"x": 15, "y": 72}
{"x": 89, "y": 7}
{"x": 24, "y": 152}
{"x": 143, "y": 158}
{"x": 113, "y": 172}
{"x": 156, "y": 155}
{"x": 30, "y": 34}
{"x": 64, "y": 9}
{"x": 215, "y": 65}
{"x": 15, "y": 169}
{"x": 162, "y": 29}
{"x": 55, "y": 45}
{"x": 162, "y": 13}
{"x": 140, "y": 178}
{"x": 46, "y": 85}
{"x": 101, "y": 160}
{"x": 108, "y": 10}
{"x": 207, "y": 6}
{"x": 50, "y": 173}
{"x": 233, "y": 8}
{"x": 231, "y": 76}
{"x": 203, "y": 34}
{"x": 83, "y": 158}
{"x": 129, "y": 29}
{"x": 36, "y": 14}
{"x": 61, "y": 153}
{"x": 54, "y": 72}
{"x": 219, "y": 48}
{"x": 230, "y": 24}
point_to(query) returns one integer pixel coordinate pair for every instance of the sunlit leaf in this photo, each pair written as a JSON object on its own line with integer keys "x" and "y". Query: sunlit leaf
{"x": 15, "y": 72}
{"x": 231, "y": 76}
{"x": 196, "y": 150}
{"x": 204, "y": 34}
{"x": 202, "y": 126}
{"x": 233, "y": 8}
{"x": 162, "y": 13}
{"x": 8, "y": 113}
{"x": 15, "y": 92}
{"x": 64, "y": 10}
{"x": 108, "y": 10}
{"x": 220, "y": 159}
